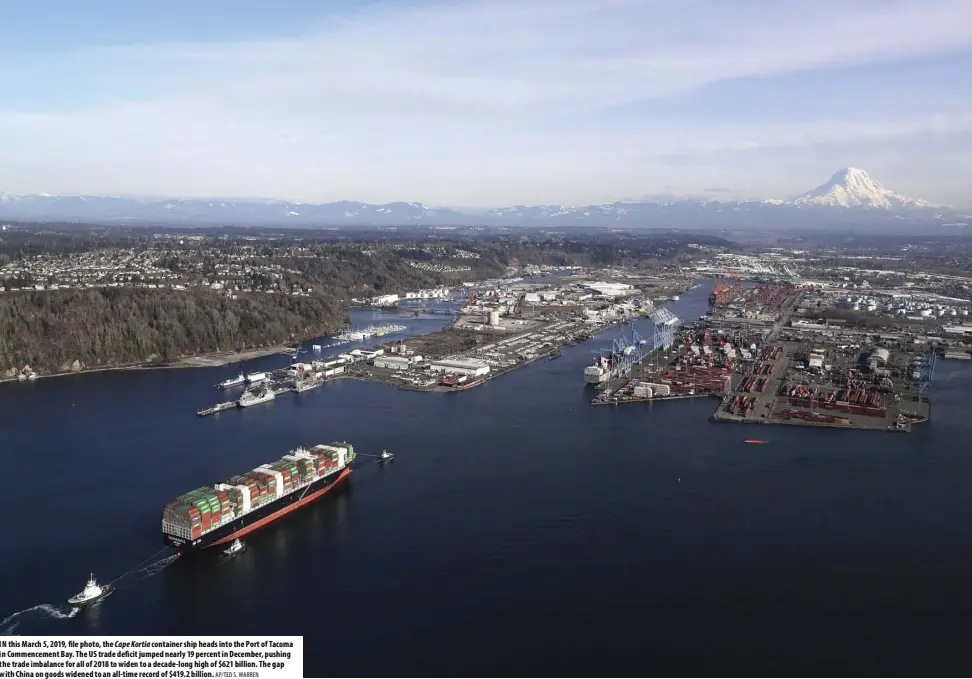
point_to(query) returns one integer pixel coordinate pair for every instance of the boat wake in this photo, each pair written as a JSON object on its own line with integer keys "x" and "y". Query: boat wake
{"x": 9, "y": 624}
{"x": 155, "y": 568}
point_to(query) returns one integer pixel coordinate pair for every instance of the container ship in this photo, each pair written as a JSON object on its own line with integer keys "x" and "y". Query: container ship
{"x": 221, "y": 513}
{"x": 603, "y": 371}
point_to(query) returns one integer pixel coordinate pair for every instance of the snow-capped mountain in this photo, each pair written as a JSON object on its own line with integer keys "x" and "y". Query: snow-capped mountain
{"x": 841, "y": 201}
{"x": 853, "y": 187}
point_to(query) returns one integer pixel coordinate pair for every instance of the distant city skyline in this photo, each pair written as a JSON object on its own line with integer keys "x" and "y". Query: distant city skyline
{"x": 475, "y": 104}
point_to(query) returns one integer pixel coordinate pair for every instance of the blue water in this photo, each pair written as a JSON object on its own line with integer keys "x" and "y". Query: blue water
{"x": 519, "y": 530}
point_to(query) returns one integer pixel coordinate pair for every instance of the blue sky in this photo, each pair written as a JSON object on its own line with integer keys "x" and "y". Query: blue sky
{"x": 484, "y": 102}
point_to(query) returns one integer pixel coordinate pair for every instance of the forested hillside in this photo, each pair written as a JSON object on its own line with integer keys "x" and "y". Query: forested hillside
{"x": 83, "y": 297}
{"x": 50, "y": 330}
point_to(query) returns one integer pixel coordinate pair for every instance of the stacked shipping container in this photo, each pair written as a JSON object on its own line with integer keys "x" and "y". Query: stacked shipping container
{"x": 197, "y": 512}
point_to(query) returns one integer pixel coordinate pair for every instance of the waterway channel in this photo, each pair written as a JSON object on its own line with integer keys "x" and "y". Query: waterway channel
{"x": 519, "y": 530}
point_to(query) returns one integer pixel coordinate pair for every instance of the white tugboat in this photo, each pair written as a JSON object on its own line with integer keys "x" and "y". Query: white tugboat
{"x": 92, "y": 593}
{"x": 235, "y": 548}
{"x": 385, "y": 457}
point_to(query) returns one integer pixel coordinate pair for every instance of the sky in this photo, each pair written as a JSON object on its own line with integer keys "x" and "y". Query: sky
{"x": 484, "y": 103}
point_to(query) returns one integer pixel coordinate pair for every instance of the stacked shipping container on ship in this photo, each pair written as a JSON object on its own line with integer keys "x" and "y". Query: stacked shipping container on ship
{"x": 221, "y": 513}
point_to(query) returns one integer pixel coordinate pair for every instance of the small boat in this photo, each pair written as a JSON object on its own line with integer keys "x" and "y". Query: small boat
{"x": 753, "y": 441}
{"x": 235, "y": 548}
{"x": 553, "y": 356}
{"x": 32, "y": 376}
{"x": 22, "y": 377}
{"x": 92, "y": 593}
{"x": 385, "y": 457}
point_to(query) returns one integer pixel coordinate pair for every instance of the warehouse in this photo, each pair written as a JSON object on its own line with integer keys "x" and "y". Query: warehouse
{"x": 603, "y": 289}
{"x": 460, "y": 366}
{"x": 392, "y": 362}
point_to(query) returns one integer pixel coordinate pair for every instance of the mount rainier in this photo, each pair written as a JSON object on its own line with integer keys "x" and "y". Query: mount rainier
{"x": 850, "y": 197}
{"x": 853, "y": 187}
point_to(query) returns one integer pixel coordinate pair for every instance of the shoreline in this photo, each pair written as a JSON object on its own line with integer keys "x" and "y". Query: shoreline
{"x": 200, "y": 361}
{"x": 215, "y": 360}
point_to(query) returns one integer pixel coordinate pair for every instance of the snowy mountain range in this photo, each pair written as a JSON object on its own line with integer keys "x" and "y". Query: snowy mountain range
{"x": 850, "y": 196}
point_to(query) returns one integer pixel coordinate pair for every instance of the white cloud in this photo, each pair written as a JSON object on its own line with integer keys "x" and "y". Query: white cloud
{"x": 406, "y": 103}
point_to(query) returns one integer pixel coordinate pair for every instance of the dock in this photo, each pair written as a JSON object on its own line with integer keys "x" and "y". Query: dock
{"x": 218, "y": 408}
{"x": 611, "y": 400}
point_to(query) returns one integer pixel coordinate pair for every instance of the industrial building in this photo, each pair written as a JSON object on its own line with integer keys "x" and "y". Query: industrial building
{"x": 393, "y": 362}
{"x": 878, "y": 358}
{"x": 603, "y": 289}
{"x": 460, "y": 366}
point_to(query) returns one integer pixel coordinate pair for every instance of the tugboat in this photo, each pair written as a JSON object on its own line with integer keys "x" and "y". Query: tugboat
{"x": 92, "y": 593}
{"x": 235, "y": 548}
{"x": 385, "y": 457}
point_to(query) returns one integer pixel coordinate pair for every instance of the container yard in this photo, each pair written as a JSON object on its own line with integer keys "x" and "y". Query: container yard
{"x": 830, "y": 377}
{"x": 227, "y": 510}
{"x": 702, "y": 363}
{"x": 746, "y": 352}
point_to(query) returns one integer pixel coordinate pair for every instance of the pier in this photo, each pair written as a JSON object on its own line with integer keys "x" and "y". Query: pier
{"x": 218, "y": 408}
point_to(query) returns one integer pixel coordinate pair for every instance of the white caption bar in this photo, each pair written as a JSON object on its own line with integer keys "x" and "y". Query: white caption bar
{"x": 152, "y": 657}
